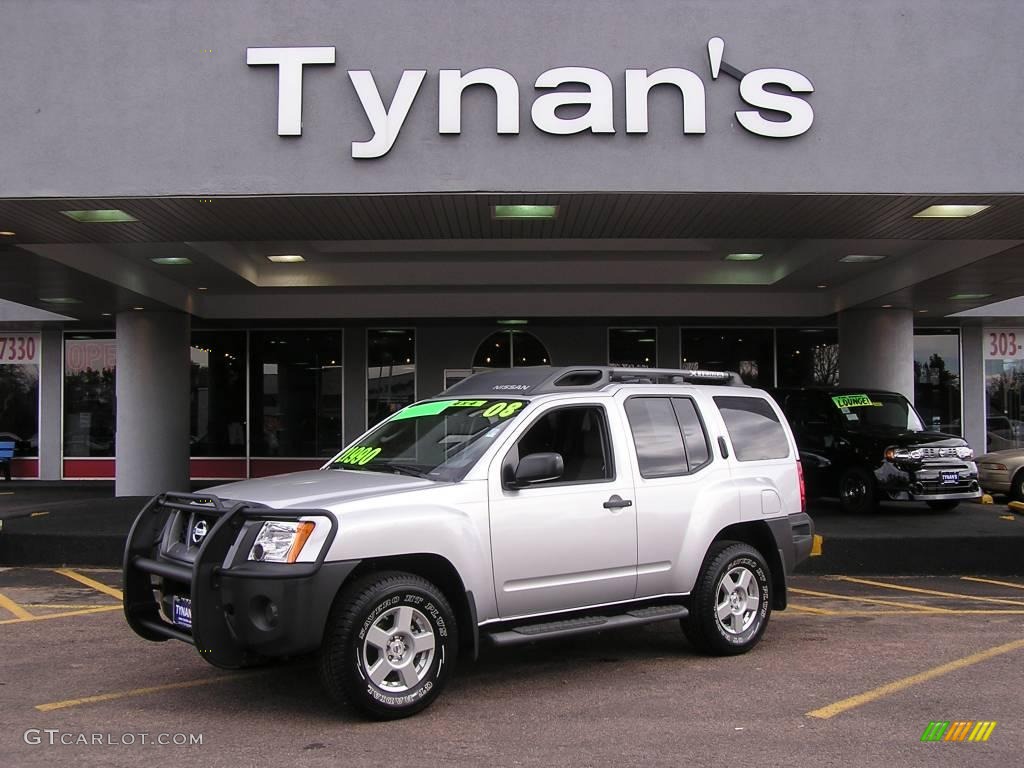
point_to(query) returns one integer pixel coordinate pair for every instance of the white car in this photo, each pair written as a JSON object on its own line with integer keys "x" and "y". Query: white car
{"x": 519, "y": 505}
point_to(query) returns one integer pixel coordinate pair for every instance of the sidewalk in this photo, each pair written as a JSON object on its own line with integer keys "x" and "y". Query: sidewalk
{"x": 83, "y": 524}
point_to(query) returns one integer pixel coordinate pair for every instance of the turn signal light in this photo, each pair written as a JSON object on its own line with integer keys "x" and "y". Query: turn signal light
{"x": 301, "y": 534}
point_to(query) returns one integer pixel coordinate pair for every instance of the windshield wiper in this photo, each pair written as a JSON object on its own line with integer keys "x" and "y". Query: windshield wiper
{"x": 406, "y": 469}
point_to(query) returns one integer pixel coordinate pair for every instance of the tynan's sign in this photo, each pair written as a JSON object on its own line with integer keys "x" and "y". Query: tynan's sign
{"x": 759, "y": 88}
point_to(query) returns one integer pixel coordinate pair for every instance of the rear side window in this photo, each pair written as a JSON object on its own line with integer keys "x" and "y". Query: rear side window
{"x": 754, "y": 429}
{"x": 659, "y": 444}
{"x": 668, "y": 435}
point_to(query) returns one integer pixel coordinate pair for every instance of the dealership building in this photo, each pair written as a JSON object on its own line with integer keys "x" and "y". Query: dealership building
{"x": 234, "y": 234}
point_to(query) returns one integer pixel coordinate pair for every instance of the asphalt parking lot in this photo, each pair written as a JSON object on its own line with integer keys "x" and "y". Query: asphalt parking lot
{"x": 852, "y": 674}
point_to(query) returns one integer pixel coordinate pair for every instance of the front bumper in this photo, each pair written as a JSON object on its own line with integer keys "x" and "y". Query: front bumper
{"x": 241, "y": 610}
{"x": 924, "y": 482}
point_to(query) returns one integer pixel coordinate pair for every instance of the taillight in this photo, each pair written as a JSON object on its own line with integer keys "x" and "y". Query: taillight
{"x": 803, "y": 488}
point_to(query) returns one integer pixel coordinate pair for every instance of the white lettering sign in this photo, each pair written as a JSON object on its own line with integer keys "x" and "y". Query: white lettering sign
{"x": 583, "y": 92}
{"x": 1004, "y": 343}
{"x": 19, "y": 348}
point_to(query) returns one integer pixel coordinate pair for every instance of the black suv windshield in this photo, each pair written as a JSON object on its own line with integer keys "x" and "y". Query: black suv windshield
{"x": 878, "y": 410}
{"x": 435, "y": 439}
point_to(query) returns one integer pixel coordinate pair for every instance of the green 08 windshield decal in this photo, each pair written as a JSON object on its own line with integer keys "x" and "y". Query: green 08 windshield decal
{"x": 494, "y": 408}
{"x": 359, "y": 455}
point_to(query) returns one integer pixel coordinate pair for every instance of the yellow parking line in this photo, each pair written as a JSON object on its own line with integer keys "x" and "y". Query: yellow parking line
{"x": 876, "y": 601}
{"x": 993, "y": 581}
{"x": 824, "y": 713}
{"x": 9, "y": 605}
{"x": 919, "y": 590}
{"x": 66, "y": 605}
{"x": 816, "y": 543}
{"x": 809, "y": 609}
{"x": 97, "y": 585}
{"x": 136, "y": 692}
{"x": 82, "y": 612}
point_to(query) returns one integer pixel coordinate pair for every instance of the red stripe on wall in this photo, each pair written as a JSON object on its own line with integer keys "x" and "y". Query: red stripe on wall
{"x": 89, "y": 469}
{"x": 25, "y": 469}
{"x": 265, "y": 467}
{"x": 217, "y": 469}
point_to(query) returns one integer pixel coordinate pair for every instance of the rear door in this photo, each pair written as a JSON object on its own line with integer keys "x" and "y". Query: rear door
{"x": 570, "y": 542}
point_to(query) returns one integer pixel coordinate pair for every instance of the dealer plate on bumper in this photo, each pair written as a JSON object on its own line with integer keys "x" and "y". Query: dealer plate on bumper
{"x": 182, "y": 611}
{"x": 949, "y": 478}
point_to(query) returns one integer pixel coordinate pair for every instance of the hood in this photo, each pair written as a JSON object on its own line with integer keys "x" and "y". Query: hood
{"x": 906, "y": 438}
{"x": 317, "y": 488}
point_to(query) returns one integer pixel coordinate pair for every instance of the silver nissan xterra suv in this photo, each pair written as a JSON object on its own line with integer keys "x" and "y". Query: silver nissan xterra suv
{"x": 518, "y": 505}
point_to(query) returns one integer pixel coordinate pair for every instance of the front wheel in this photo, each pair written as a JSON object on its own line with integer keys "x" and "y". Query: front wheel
{"x": 731, "y": 601}
{"x": 857, "y": 491}
{"x": 390, "y": 645}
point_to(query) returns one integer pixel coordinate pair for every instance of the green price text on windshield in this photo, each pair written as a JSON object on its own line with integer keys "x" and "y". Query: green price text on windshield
{"x": 494, "y": 408}
{"x": 358, "y": 455}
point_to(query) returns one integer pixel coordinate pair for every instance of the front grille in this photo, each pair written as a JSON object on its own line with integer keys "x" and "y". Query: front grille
{"x": 939, "y": 453}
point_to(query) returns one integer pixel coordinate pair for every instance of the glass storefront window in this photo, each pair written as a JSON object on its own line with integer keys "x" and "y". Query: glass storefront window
{"x": 19, "y": 392}
{"x": 390, "y": 372}
{"x": 807, "y": 356}
{"x": 747, "y": 351}
{"x": 937, "y": 378}
{"x": 1004, "y": 393}
{"x": 633, "y": 347}
{"x": 296, "y": 393}
{"x": 511, "y": 349}
{"x": 90, "y": 367}
{"x": 217, "y": 398}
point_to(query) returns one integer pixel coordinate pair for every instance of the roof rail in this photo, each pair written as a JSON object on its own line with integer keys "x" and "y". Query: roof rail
{"x": 674, "y": 376}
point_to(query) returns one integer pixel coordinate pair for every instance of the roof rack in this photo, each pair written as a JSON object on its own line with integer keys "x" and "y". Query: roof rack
{"x": 539, "y": 380}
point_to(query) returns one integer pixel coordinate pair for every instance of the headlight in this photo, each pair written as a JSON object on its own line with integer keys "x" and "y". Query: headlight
{"x": 994, "y": 467}
{"x": 903, "y": 454}
{"x": 280, "y": 542}
{"x": 965, "y": 452}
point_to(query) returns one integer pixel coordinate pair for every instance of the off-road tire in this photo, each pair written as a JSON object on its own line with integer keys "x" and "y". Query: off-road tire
{"x": 703, "y": 628}
{"x": 344, "y": 669}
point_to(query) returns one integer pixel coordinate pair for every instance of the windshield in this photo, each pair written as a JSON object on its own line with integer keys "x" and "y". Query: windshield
{"x": 878, "y": 410}
{"x": 435, "y": 439}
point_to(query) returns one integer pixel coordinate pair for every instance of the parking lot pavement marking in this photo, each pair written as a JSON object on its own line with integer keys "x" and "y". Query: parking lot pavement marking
{"x": 824, "y": 713}
{"x": 873, "y": 600}
{"x": 83, "y": 612}
{"x": 12, "y": 607}
{"x": 137, "y": 692}
{"x": 809, "y": 609}
{"x": 922, "y": 591}
{"x": 992, "y": 581}
{"x": 97, "y": 585}
{"x": 816, "y": 543}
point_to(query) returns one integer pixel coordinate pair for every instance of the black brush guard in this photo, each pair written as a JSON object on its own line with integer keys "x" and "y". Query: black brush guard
{"x": 221, "y": 582}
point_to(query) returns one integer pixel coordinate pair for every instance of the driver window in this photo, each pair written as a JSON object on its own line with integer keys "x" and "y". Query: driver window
{"x": 580, "y": 435}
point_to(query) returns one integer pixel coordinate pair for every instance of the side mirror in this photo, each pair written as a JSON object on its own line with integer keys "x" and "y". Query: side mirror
{"x": 537, "y": 468}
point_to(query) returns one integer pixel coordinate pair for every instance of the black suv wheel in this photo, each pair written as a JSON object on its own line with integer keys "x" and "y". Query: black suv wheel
{"x": 857, "y": 494}
{"x": 390, "y": 645}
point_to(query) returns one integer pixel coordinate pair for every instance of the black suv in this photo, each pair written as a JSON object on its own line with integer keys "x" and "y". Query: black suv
{"x": 864, "y": 445}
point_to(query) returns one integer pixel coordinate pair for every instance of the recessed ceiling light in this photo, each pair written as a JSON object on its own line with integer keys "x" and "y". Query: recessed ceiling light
{"x": 100, "y": 216}
{"x": 950, "y": 211}
{"x": 969, "y": 296}
{"x": 138, "y": 309}
{"x": 202, "y": 288}
{"x": 286, "y": 258}
{"x": 822, "y": 285}
{"x": 524, "y": 211}
{"x": 887, "y": 306}
{"x": 60, "y": 300}
{"x": 106, "y": 314}
{"x": 513, "y": 322}
{"x": 646, "y": 341}
{"x": 862, "y": 258}
{"x": 921, "y": 311}
{"x": 744, "y": 256}
{"x": 6, "y": 233}
{"x": 168, "y": 261}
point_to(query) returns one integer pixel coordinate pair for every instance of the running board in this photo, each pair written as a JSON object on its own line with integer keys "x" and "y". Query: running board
{"x": 584, "y": 624}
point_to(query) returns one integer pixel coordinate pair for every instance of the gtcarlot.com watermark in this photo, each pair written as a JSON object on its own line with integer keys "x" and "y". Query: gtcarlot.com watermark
{"x": 54, "y": 737}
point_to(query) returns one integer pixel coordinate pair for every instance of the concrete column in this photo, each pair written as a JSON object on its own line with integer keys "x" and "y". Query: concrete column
{"x": 354, "y": 403}
{"x": 972, "y": 387}
{"x": 152, "y": 403}
{"x": 51, "y": 388}
{"x": 876, "y": 350}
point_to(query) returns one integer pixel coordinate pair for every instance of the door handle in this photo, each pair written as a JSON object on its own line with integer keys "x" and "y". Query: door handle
{"x": 617, "y": 502}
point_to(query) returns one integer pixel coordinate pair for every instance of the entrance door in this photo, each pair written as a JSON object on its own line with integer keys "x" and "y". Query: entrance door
{"x": 555, "y": 545}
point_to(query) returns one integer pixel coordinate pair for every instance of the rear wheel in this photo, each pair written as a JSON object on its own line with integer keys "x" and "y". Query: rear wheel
{"x": 944, "y": 505}
{"x": 390, "y": 645}
{"x": 1017, "y": 486}
{"x": 731, "y": 601}
{"x": 857, "y": 491}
